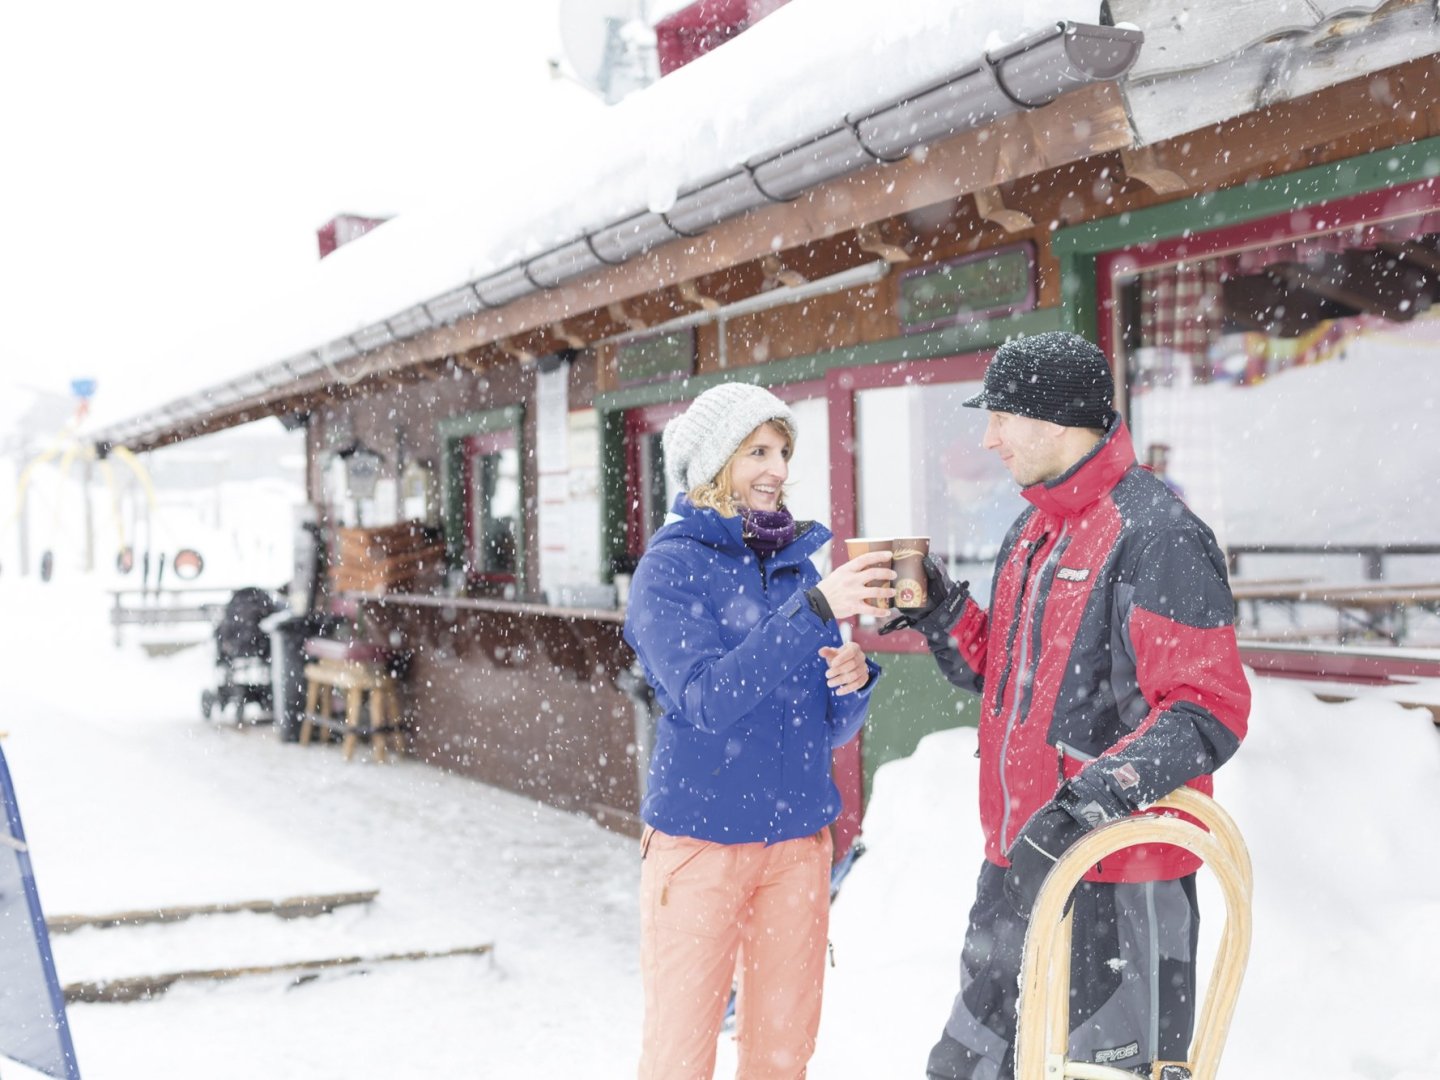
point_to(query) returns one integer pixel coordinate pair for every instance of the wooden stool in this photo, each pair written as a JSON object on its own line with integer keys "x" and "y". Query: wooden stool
{"x": 357, "y": 679}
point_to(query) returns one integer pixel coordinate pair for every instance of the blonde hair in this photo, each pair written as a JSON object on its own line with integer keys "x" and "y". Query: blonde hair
{"x": 717, "y": 494}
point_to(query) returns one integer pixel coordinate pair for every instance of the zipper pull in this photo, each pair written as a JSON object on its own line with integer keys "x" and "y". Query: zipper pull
{"x": 664, "y": 893}
{"x": 830, "y": 948}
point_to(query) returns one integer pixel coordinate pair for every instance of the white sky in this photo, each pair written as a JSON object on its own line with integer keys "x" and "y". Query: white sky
{"x": 172, "y": 172}
{"x": 164, "y": 165}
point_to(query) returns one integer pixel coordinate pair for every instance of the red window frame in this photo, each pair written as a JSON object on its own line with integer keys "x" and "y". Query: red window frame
{"x": 1370, "y": 208}
{"x": 841, "y": 386}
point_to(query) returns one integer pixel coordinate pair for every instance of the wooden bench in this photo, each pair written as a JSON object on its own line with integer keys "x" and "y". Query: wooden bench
{"x": 364, "y": 683}
{"x": 1378, "y": 610}
{"x": 165, "y": 607}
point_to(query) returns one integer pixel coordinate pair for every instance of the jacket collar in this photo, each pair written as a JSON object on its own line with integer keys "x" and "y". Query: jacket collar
{"x": 1089, "y": 479}
{"x": 706, "y": 526}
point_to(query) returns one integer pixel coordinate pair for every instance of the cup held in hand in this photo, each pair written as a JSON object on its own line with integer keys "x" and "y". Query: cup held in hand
{"x": 856, "y": 546}
{"x": 909, "y": 564}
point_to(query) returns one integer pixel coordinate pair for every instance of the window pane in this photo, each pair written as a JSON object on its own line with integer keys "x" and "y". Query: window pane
{"x": 922, "y": 472}
{"x": 1326, "y": 439}
{"x": 496, "y": 505}
{"x": 807, "y": 492}
{"x": 1288, "y": 393}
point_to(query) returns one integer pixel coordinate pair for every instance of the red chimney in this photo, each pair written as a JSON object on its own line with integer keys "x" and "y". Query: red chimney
{"x": 693, "y": 31}
{"x": 342, "y": 229}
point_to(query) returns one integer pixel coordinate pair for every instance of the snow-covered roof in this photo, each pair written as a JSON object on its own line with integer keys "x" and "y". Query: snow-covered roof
{"x": 798, "y": 73}
{"x": 689, "y": 151}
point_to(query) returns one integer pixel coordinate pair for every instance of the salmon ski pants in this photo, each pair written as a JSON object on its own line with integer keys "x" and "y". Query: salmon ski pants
{"x": 702, "y": 906}
{"x": 1132, "y": 979}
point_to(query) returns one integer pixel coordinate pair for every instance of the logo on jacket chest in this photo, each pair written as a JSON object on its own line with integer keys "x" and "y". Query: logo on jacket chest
{"x": 1073, "y": 573}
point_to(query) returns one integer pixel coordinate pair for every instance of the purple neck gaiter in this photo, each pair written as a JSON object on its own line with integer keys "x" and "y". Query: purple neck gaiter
{"x": 766, "y": 531}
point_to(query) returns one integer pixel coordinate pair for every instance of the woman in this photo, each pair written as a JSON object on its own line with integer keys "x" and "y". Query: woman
{"x": 739, "y": 637}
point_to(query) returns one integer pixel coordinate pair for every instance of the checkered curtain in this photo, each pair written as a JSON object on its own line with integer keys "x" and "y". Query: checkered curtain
{"x": 1181, "y": 308}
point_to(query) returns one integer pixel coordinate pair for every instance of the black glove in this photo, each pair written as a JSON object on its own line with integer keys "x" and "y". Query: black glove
{"x": 1082, "y": 803}
{"x": 1047, "y": 835}
{"x": 943, "y": 601}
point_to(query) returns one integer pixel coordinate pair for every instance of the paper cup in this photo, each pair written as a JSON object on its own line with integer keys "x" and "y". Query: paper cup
{"x": 909, "y": 567}
{"x": 863, "y": 545}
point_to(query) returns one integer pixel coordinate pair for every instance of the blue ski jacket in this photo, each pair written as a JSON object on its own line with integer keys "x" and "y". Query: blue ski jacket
{"x": 731, "y": 646}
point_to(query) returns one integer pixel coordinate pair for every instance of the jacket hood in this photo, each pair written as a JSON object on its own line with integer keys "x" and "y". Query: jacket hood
{"x": 1090, "y": 478}
{"x": 686, "y": 521}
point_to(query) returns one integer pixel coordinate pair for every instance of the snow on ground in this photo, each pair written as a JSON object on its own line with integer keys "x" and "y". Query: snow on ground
{"x": 129, "y": 798}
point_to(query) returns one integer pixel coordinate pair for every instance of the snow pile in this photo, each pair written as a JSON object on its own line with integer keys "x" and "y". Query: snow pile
{"x": 1337, "y": 804}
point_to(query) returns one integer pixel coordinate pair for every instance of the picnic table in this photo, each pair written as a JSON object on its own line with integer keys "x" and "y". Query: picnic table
{"x": 1373, "y": 610}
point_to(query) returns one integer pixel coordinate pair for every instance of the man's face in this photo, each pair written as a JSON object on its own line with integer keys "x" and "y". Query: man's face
{"x": 1031, "y": 449}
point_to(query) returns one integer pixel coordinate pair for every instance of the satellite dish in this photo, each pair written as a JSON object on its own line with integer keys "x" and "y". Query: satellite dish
{"x": 608, "y": 46}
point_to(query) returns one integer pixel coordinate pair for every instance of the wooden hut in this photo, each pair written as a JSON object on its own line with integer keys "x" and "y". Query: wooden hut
{"x": 1243, "y": 211}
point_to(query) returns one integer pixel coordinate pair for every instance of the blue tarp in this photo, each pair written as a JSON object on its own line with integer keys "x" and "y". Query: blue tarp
{"x": 33, "y": 1027}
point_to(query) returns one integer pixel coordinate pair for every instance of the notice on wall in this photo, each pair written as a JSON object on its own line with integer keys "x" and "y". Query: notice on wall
{"x": 567, "y": 459}
{"x": 552, "y": 464}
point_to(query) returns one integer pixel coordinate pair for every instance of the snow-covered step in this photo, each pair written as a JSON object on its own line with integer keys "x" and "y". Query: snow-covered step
{"x": 248, "y": 942}
{"x": 144, "y": 987}
{"x": 290, "y": 907}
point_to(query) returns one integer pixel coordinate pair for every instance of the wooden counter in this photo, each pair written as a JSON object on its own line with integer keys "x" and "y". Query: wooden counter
{"x": 521, "y": 696}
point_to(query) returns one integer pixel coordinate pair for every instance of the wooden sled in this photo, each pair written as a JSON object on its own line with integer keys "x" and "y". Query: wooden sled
{"x": 1042, "y": 1040}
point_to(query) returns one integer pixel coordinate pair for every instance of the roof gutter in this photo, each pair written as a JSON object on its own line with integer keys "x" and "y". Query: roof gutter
{"x": 1028, "y": 74}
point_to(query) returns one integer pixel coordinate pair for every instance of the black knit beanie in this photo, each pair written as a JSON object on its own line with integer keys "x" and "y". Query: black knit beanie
{"x": 1057, "y": 377}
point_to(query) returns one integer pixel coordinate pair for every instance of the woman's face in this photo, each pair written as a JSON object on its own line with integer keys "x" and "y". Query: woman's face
{"x": 760, "y": 467}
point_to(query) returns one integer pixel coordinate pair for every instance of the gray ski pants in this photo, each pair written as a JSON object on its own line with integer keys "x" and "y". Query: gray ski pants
{"x": 1132, "y": 979}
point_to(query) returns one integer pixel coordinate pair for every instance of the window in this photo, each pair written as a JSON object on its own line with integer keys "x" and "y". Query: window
{"x": 492, "y": 508}
{"x": 648, "y": 495}
{"x": 921, "y": 471}
{"x": 1280, "y": 377}
{"x": 918, "y": 465}
{"x": 484, "y": 501}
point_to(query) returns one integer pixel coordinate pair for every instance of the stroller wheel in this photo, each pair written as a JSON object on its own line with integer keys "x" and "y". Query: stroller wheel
{"x": 207, "y": 703}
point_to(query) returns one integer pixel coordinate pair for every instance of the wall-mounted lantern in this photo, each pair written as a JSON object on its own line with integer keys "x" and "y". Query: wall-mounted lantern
{"x": 362, "y": 469}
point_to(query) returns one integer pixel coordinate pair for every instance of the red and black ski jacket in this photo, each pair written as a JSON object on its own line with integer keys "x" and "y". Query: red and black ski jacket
{"x": 1109, "y": 649}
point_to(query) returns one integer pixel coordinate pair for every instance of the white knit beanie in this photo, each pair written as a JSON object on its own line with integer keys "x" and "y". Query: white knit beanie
{"x": 699, "y": 441}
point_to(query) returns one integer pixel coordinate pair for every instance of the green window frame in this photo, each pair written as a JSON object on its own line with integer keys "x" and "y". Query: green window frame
{"x": 452, "y": 433}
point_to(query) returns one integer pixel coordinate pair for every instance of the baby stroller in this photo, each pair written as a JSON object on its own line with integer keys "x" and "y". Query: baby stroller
{"x": 242, "y": 656}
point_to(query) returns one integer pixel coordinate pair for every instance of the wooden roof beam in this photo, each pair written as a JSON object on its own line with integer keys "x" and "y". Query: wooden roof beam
{"x": 776, "y": 271}
{"x": 1264, "y": 302}
{"x": 616, "y": 310}
{"x": 1154, "y": 169}
{"x": 1415, "y": 253}
{"x": 873, "y": 239}
{"x": 1356, "y": 281}
{"x": 990, "y": 205}
{"x": 690, "y": 292}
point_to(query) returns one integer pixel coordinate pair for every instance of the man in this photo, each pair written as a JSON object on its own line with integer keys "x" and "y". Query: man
{"x": 1109, "y": 676}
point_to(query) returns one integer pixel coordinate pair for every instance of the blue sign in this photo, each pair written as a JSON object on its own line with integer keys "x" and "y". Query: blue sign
{"x": 34, "y": 1029}
{"x": 83, "y": 388}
